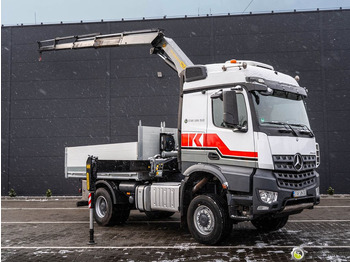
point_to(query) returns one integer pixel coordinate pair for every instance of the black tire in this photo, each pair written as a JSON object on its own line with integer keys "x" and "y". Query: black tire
{"x": 107, "y": 214}
{"x": 158, "y": 214}
{"x": 103, "y": 208}
{"x": 208, "y": 219}
{"x": 269, "y": 224}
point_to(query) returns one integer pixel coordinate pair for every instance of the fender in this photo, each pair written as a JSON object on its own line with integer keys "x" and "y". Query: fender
{"x": 215, "y": 171}
{"x": 118, "y": 197}
{"x": 238, "y": 178}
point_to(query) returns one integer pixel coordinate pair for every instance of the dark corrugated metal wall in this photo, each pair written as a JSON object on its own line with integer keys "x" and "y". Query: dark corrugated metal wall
{"x": 86, "y": 97}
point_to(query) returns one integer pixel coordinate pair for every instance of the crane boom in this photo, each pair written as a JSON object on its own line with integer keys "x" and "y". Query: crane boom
{"x": 164, "y": 47}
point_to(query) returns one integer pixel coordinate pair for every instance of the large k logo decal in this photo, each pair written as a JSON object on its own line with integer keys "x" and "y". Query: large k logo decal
{"x": 193, "y": 139}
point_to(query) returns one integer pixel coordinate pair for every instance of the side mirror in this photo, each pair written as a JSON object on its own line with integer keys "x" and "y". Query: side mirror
{"x": 230, "y": 108}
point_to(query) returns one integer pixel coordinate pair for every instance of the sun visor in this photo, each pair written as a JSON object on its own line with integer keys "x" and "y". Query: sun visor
{"x": 259, "y": 84}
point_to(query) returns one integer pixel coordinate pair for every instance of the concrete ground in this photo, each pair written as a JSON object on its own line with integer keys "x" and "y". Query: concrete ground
{"x": 34, "y": 229}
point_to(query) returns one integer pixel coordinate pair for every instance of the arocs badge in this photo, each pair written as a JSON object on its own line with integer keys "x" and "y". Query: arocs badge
{"x": 298, "y": 254}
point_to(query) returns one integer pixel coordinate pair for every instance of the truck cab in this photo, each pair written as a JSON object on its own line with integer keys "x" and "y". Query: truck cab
{"x": 245, "y": 125}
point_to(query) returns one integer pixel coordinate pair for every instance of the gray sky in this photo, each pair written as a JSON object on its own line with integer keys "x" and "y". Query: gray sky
{"x": 48, "y": 11}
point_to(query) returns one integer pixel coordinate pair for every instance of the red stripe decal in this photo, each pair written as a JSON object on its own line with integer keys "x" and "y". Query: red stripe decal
{"x": 213, "y": 140}
{"x": 184, "y": 140}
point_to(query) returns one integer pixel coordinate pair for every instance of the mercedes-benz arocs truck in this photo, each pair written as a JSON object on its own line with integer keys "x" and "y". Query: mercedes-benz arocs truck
{"x": 243, "y": 149}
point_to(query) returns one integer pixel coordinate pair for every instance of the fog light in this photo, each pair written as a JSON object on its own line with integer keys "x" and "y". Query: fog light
{"x": 263, "y": 208}
{"x": 268, "y": 197}
{"x": 317, "y": 191}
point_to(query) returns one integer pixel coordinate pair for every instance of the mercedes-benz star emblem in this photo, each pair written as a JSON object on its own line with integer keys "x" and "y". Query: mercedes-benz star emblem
{"x": 298, "y": 162}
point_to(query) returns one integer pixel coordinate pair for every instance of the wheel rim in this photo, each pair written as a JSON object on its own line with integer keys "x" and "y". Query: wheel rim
{"x": 204, "y": 220}
{"x": 101, "y": 206}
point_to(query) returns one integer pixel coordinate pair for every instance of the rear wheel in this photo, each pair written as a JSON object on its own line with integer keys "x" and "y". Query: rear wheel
{"x": 103, "y": 207}
{"x": 107, "y": 214}
{"x": 268, "y": 224}
{"x": 208, "y": 219}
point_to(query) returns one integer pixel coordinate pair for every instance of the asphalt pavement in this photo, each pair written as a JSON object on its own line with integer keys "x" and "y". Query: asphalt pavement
{"x": 55, "y": 229}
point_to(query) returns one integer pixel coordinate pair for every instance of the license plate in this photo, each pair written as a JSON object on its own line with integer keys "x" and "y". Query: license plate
{"x": 299, "y": 193}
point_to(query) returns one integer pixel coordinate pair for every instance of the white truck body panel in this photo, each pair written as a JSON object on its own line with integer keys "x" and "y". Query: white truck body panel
{"x": 75, "y": 161}
{"x": 233, "y": 74}
{"x": 148, "y": 140}
{"x": 264, "y": 151}
{"x": 292, "y": 145}
{"x": 267, "y": 146}
{"x": 146, "y": 147}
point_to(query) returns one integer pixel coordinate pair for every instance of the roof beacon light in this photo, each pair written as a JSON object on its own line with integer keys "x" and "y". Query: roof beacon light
{"x": 234, "y": 63}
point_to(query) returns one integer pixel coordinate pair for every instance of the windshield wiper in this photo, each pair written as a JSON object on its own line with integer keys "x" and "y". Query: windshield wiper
{"x": 283, "y": 124}
{"x": 307, "y": 131}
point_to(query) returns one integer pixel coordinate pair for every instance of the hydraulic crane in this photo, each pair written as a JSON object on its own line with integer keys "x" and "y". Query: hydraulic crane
{"x": 162, "y": 46}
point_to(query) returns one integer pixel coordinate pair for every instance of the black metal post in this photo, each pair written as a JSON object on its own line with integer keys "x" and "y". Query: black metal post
{"x": 91, "y": 176}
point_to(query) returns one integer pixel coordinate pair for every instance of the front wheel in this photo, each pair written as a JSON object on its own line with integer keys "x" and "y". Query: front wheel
{"x": 208, "y": 219}
{"x": 268, "y": 224}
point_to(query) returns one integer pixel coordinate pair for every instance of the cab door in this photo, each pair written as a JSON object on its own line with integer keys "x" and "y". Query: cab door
{"x": 194, "y": 123}
{"x": 228, "y": 145}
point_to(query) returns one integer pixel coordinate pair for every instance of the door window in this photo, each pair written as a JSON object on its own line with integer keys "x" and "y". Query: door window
{"x": 218, "y": 111}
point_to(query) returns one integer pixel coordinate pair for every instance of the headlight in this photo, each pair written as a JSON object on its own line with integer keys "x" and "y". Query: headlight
{"x": 268, "y": 197}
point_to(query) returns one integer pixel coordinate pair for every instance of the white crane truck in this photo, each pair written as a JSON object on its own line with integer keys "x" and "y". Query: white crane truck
{"x": 243, "y": 149}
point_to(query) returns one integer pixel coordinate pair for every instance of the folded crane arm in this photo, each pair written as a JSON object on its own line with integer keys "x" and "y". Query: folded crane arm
{"x": 165, "y": 47}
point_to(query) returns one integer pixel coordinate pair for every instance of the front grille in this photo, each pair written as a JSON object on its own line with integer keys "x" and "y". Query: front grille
{"x": 286, "y": 163}
{"x": 295, "y": 181}
{"x": 294, "y": 175}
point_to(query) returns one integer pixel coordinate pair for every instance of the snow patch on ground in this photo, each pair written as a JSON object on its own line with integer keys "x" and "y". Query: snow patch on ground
{"x": 40, "y": 252}
{"x": 174, "y": 260}
{"x": 326, "y": 254}
{"x": 248, "y": 259}
{"x": 63, "y": 252}
{"x": 184, "y": 247}
{"x": 293, "y": 231}
{"x": 260, "y": 244}
{"x": 226, "y": 254}
{"x": 334, "y": 259}
{"x": 276, "y": 251}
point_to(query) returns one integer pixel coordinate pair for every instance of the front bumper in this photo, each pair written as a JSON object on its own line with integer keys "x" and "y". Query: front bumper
{"x": 248, "y": 207}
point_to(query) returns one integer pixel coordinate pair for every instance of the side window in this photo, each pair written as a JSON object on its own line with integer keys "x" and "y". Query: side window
{"x": 218, "y": 111}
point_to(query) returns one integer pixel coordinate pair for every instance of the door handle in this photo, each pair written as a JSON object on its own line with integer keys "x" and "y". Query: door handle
{"x": 213, "y": 156}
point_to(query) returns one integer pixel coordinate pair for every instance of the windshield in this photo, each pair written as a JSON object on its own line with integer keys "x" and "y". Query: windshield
{"x": 280, "y": 107}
